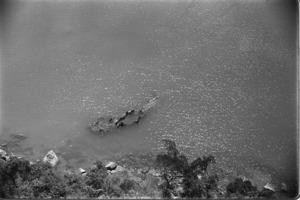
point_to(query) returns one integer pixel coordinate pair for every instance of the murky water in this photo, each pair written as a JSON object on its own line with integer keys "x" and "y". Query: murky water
{"x": 225, "y": 73}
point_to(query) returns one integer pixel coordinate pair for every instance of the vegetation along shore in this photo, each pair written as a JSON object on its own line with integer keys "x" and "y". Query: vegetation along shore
{"x": 170, "y": 175}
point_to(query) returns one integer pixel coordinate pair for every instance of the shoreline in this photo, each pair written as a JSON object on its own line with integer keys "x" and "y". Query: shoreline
{"x": 138, "y": 166}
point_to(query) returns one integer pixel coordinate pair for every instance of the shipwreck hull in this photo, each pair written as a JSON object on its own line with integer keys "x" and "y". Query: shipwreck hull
{"x": 106, "y": 124}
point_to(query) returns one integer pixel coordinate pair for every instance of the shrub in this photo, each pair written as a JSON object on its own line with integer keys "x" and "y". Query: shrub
{"x": 20, "y": 179}
{"x": 38, "y": 170}
{"x": 266, "y": 193}
{"x": 112, "y": 189}
{"x": 74, "y": 185}
{"x": 129, "y": 184}
{"x": 10, "y": 171}
{"x": 95, "y": 177}
{"x": 48, "y": 183}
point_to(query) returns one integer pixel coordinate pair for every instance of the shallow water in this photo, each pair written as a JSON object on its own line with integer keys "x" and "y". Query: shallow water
{"x": 225, "y": 74}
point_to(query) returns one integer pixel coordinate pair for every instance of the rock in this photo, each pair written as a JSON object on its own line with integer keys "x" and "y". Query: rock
{"x": 269, "y": 186}
{"x": 118, "y": 169}
{"x": 111, "y": 166}
{"x": 51, "y": 158}
{"x": 3, "y": 155}
{"x": 82, "y": 171}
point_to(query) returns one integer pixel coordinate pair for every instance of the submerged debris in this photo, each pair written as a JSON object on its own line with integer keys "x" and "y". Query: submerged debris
{"x": 106, "y": 124}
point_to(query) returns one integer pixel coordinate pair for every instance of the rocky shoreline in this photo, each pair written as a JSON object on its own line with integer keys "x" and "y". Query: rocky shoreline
{"x": 133, "y": 176}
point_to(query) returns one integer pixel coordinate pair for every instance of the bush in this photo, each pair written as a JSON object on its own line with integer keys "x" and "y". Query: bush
{"x": 75, "y": 185}
{"x": 38, "y": 170}
{"x": 129, "y": 184}
{"x": 95, "y": 177}
{"x": 10, "y": 171}
{"x": 266, "y": 193}
{"x": 112, "y": 187}
{"x": 48, "y": 183}
{"x": 19, "y": 179}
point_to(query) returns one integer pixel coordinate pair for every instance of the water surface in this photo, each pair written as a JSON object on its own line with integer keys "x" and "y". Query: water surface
{"x": 225, "y": 73}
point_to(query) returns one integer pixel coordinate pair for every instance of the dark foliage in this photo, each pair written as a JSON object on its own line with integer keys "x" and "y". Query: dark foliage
{"x": 39, "y": 169}
{"x": 19, "y": 179}
{"x": 128, "y": 184}
{"x": 96, "y": 176}
{"x": 9, "y": 172}
{"x": 266, "y": 193}
{"x": 112, "y": 186}
{"x": 75, "y": 185}
{"x": 244, "y": 188}
{"x": 193, "y": 187}
{"x": 171, "y": 149}
{"x": 175, "y": 166}
{"x": 200, "y": 164}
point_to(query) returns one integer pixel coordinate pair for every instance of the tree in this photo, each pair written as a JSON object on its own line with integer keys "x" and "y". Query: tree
{"x": 175, "y": 166}
{"x": 239, "y": 186}
{"x": 10, "y": 171}
{"x": 95, "y": 179}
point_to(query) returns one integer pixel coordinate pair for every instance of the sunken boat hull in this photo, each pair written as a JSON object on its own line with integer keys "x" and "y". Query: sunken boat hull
{"x": 107, "y": 124}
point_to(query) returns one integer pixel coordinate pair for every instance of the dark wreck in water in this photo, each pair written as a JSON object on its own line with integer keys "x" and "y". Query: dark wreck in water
{"x": 106, "y": 124}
